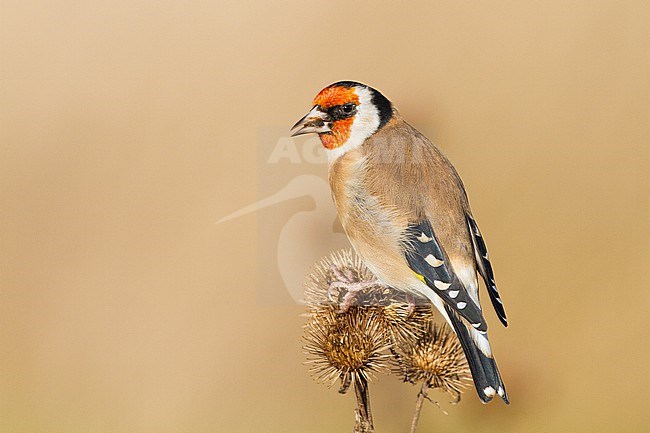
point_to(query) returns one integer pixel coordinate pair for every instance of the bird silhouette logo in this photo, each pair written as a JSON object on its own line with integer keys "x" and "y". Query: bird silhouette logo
{"x": 307, "y": 235}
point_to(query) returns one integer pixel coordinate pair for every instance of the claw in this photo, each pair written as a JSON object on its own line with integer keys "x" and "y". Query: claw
{"x": 411, "y": 305}
{"x": 345, "y": 279}
{"x": 351, "y": 292}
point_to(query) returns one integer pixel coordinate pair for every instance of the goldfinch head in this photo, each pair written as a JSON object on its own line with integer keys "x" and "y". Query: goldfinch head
{"x": 344, "y": 115}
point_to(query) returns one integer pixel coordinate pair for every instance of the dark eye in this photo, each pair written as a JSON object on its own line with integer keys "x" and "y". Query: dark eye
{"x": 342, "y": 111}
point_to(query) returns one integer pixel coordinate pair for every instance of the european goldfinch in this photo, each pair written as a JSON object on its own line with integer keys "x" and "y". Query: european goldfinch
{"x": 406, "y": 213}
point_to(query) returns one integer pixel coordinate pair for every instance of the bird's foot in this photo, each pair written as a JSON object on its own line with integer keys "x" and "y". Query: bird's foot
{"x": 410, "y": 301}
{"x": 346, "y": 279}
{"x": 351, "y": 290}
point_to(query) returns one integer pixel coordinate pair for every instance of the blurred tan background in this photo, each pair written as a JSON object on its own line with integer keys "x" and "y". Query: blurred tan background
{"x": 128, "y": 128}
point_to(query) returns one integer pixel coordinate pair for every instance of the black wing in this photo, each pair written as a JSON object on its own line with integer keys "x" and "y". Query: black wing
{"x": 485, "y": 269}
{"x": 428, "y": 260}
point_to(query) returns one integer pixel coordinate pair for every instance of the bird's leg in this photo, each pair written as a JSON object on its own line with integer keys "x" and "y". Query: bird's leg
{"x": 354, "y": 287}
{"x": 337, "y": 279}
{"x": 350, "y": 275}
{"x": 410, "y": 300}
{"x": 351, "y": 292}
{"x": 339, "y": 275}
{"x": 345, "y": 279}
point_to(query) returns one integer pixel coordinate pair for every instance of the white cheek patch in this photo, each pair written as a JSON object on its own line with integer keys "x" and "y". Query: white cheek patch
{"x": 366, "y": 122}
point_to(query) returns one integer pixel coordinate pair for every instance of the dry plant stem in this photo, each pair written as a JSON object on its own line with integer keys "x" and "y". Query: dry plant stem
{"x": 346, "y": 379}
{"x": 418, "y": 406}
{"x": 362, "y": 415}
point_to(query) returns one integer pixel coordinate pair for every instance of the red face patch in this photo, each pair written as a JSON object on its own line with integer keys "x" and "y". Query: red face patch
{"x": 339, "y": 135}
{"x": 331, "y": 97}
{"x": 337, "y": 95}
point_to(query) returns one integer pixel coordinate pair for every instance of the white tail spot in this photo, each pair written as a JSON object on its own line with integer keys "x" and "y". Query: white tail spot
{"x": 424, "y": 238}
{"x": 433, "y": 261}
{"x": 440, "y": 285}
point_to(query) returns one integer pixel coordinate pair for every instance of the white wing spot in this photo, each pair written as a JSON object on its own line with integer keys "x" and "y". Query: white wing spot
{"x": 489, "y": 391}
{"x": 500, "y": 391}
{"x": 461, "y": 305}
{"x": 454, "y": 293}
{"x": 440, "y": 285}
{"x": 424, "y": 238}
{"x": 433, "y": 261}
{"x": 476, "y": 325}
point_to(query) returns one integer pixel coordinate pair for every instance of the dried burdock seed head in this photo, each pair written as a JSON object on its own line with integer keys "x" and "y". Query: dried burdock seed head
{"x": 407, "y": 320}
{"x": 356, "y": 327}
{"x": 354, "y": 322}
{"x": 346, "y": 333}
{"x": 435, "y": 358}
{"x": 345, "y": 344}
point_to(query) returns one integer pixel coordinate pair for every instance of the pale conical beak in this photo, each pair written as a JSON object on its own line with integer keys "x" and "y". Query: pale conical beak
{"x": 315, "y": 121}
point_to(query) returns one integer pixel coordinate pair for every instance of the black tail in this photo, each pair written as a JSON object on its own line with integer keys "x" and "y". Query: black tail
{"x": 484, "y": 370}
